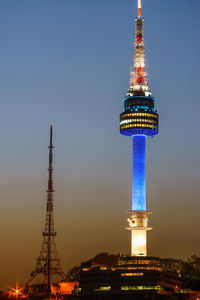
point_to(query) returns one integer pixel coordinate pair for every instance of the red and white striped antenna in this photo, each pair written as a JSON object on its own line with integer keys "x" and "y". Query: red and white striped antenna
{"x": 138, "y": 75}
{"x": 139, "y": 8}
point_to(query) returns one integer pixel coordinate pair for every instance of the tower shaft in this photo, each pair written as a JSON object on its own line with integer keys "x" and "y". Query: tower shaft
{"x": 138, "y": 220}
{"x": 139, "y": 176}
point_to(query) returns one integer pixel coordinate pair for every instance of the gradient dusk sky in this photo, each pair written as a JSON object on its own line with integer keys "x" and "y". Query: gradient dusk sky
{"x": 67, "y": 62}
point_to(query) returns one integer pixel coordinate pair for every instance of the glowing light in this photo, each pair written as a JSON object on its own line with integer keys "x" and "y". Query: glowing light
{"x": 138, "y": 287}
{"x": 139, "y": 125}
{"x": 65, "y": 288}
{"x": 139, "y": 182}
{"x": 140, "y": 241}
{"x": 132, "y": 274}
{"x": 136, "y": 120}
{"x": 103, "y": 288}
{"x": 16, "y": 292}
{"x": 138, "y": 247}
{"x": 140, "y": 115}
{"x": 139, "y": 3}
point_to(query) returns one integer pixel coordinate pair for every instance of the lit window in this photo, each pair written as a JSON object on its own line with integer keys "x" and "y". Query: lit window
{"x": 138, "y": 125}
{"x": 140, "y": 114}
{"x": 126, "y": 121}
{"x": 102, "y": 288}
{"x": 132, "y": 274}
{"x": 139, "y": 287}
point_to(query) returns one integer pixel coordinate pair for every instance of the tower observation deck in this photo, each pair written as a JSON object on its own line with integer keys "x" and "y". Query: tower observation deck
{"x": 139, "y": 120}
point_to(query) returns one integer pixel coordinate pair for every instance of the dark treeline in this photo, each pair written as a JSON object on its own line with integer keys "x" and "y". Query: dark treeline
{"x": 187, "y": 270}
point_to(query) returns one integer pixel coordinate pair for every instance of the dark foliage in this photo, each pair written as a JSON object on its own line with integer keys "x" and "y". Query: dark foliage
{"x": 188, "y": 271}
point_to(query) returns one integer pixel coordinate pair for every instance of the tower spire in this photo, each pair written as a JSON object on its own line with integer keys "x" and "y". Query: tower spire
{"x": 48, "y": 263}
{"x": 139, "y": 8}
{"x": 49, "y": 218}
{"x": 138, "y": 75}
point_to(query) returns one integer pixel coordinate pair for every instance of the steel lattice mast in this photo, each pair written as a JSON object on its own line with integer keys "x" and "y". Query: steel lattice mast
{"x": 48, "y": 263}
{"x": 139, "y": 120}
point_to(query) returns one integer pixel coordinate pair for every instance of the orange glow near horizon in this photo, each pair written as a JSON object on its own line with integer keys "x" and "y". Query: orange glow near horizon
{"x": 16, "y": 292}
{"x": 64, "y": 288}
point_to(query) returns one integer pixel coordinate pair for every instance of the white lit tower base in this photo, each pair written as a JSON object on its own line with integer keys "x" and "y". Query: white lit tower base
{"x": 139, "y": 120}
{"x": 138, "y": 225}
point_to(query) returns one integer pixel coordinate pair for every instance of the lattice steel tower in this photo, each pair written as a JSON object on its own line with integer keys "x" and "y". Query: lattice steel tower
{"x": 48, "y": 263}
{"x": 139, "y": 120}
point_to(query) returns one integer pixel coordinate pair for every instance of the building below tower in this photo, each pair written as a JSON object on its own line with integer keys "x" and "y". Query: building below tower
{"x": 132, "y": 278}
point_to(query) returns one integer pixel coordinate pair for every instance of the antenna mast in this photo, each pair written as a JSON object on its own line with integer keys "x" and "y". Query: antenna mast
{"x": 139, "y": 8}
{"x": 138, "y": 75}
{"x": 48, "y": 264}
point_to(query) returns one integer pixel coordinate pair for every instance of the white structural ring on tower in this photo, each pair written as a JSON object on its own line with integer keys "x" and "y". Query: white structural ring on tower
{"x": 139, "y": 3}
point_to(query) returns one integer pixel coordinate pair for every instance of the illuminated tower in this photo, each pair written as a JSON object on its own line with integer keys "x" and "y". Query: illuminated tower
{"x": 139, "y": 120}
{"x": 48, "y": 263}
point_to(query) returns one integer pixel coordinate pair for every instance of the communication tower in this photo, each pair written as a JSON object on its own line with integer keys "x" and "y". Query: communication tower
{"x": 139, "y": 120}
{"x": 48, "y": 263}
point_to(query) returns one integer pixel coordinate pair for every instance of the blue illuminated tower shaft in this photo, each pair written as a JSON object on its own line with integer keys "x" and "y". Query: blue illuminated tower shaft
{"x": 139, "y": 173}
{"x": 138, "y": 220}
